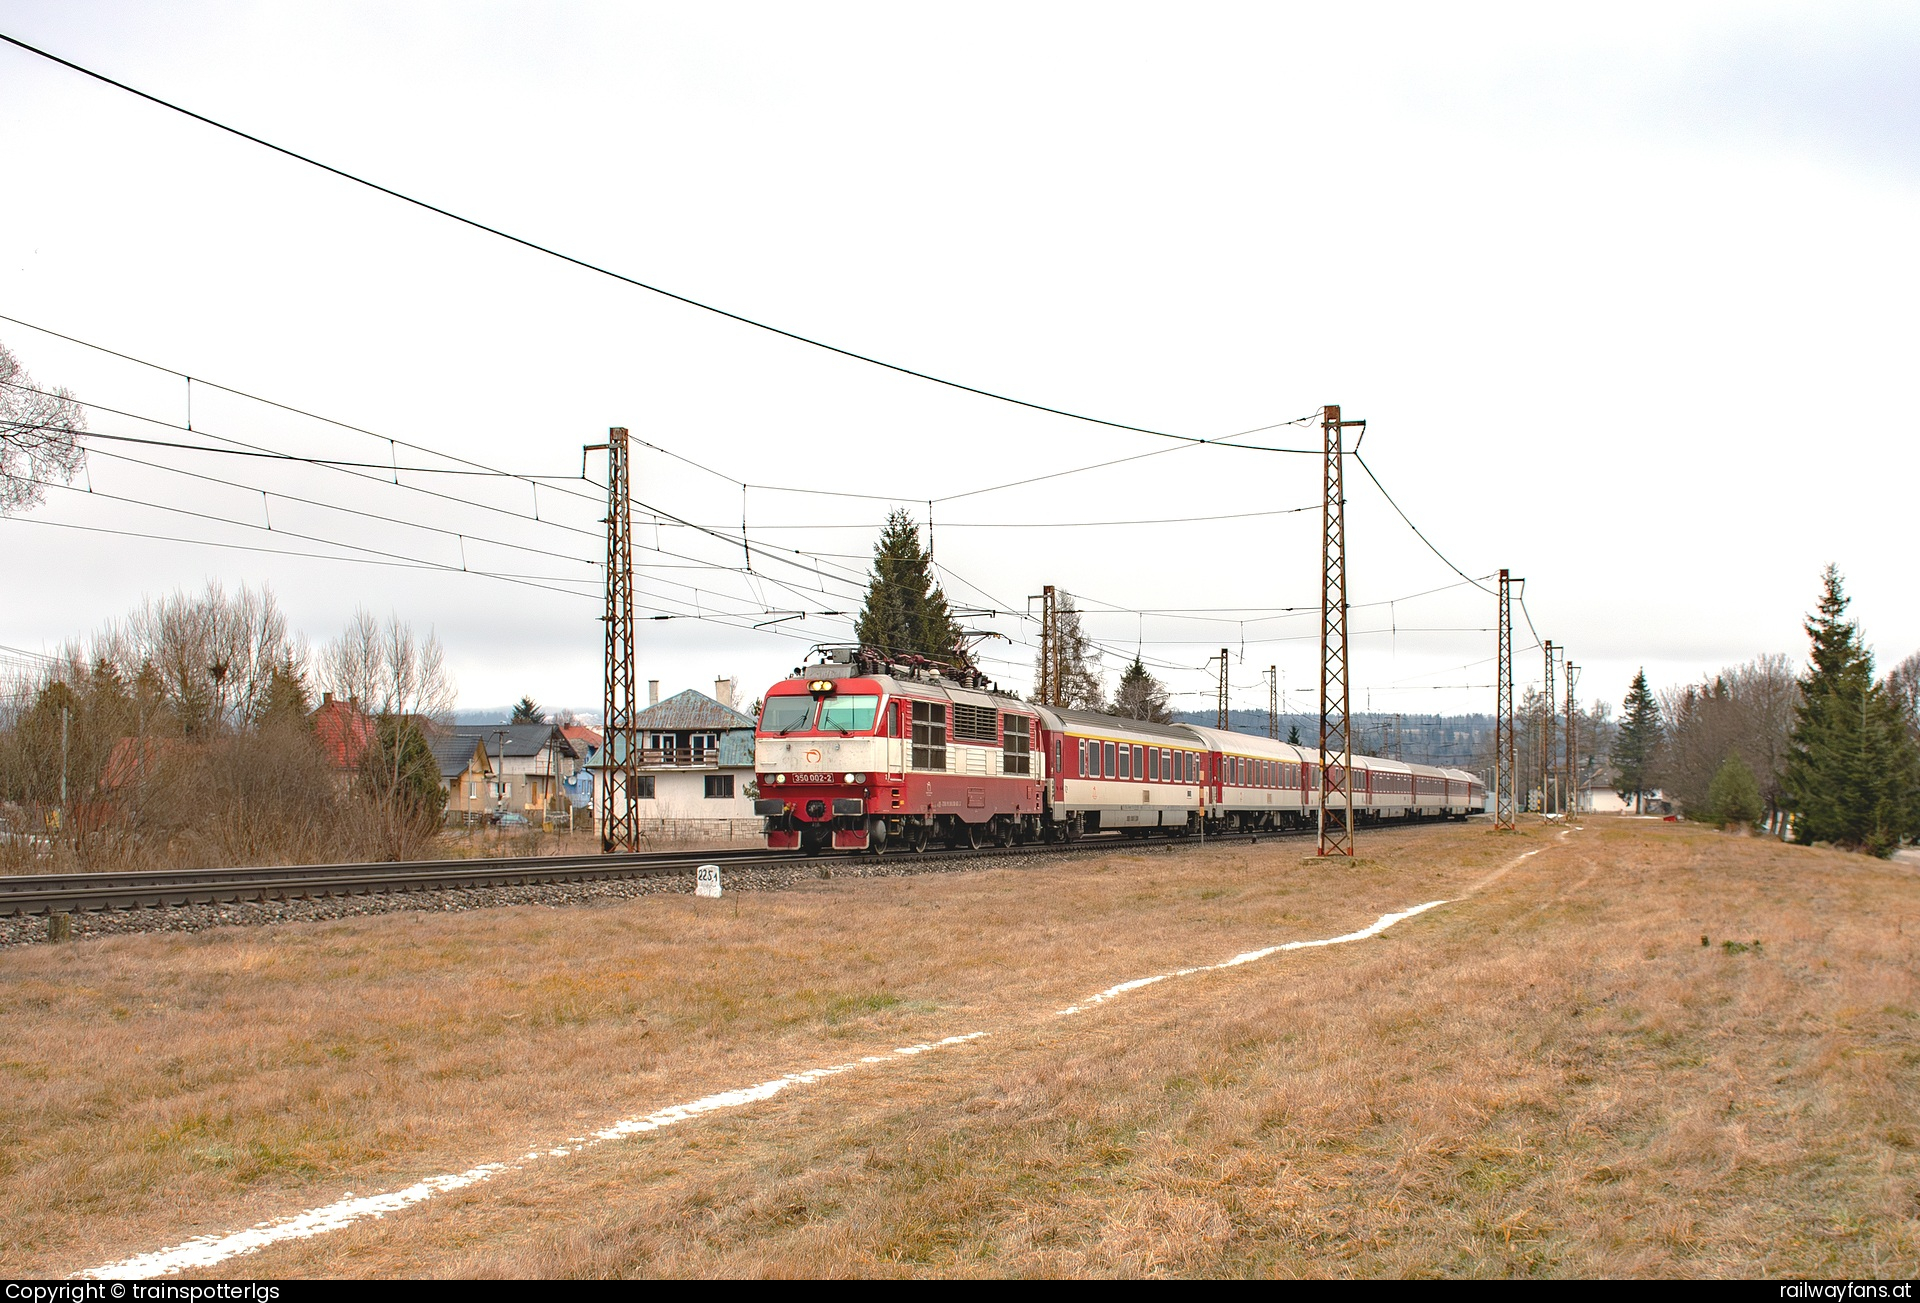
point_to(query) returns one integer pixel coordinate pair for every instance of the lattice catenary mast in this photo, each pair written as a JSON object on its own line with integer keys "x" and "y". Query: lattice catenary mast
{"x": 1336, "y": 731}
{"x": 620, "y": 738}
{"x": 1504, "y": 777}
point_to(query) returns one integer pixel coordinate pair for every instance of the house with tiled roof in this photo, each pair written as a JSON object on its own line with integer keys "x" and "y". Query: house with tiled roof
{"x": 527, "y": 766}
{"x": 344, "y": 731}
{"x": 696, "y": 766}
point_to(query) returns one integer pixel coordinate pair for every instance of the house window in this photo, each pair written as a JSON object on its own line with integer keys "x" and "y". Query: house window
{"x": 719, "y": 787}
{"x": 704, "y": 746}
{"x": 1017, "y": 746}
{"x": 929, "y": 735}
{"x": 473, "y": 791}
{"x": 643, "y": 787}
{"x": 1110, "y": 769}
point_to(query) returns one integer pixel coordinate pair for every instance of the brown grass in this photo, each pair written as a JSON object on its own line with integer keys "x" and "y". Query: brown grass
{"x": 1551, "y": 1077}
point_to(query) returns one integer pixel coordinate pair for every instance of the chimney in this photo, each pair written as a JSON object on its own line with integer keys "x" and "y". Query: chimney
{"x": 326, "y": 698}
{"x": 723, "y": 692}
{"x": 653, "y": 692}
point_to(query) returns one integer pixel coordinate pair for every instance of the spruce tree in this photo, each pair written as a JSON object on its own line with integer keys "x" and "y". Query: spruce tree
{"x": 1637, "y": 745}
{"x": 286, "y": 702}
{"x": 1851, "y": 768}
{"x": 1141, "y": 696}
{"x": 906, "y": 613}
{"x": 1734, "y": 794}
{"x": 1293, "y": 735}
{"x": 527, "y": 711}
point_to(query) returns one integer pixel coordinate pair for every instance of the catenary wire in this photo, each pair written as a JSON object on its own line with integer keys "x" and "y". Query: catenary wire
{"x": 596, "y": 267}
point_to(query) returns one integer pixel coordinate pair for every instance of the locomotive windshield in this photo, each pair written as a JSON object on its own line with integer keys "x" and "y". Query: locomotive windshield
{"x": 848, "y": 714}
{"x": 783, "y": 715}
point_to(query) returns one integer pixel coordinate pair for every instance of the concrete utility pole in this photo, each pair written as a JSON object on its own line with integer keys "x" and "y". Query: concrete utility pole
{"x": 1336, "y": 739}
{"x": 620, "y": 736}
{"x": 1572, "y": 782}
{"x": 1273, "y": 702}
{"x": 1503, "y": 739}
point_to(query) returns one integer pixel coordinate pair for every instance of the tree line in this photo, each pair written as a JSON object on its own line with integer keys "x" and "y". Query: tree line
{"x": 1829, "y": 755}
{"x": 186, "y": 734}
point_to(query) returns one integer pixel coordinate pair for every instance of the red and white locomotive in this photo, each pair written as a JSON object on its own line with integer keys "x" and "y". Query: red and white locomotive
{"x": 861, "y": 754}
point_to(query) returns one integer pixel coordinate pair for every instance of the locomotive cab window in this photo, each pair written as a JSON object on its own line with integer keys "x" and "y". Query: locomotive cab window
{"x": 929, "y": 735}
{"x": 785, "y": 714}
{"x": 848, "y": 714}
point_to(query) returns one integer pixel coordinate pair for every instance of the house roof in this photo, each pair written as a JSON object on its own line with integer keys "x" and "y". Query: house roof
{"x": 515, "y": 740}
{"x": 691, "y": 710}
{"x": 345, "y": 731}
{"x": 580, "y": 734}
{"x": 456, "y": 755}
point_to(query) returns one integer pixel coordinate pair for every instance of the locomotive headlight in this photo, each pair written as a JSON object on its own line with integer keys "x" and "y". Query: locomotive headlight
{"x": 779, "y": 778}
{"x": 856, "y": 778}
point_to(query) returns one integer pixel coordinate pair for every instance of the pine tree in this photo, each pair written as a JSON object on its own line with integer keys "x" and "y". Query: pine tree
{"x": 1851, "y": 766}
{"x": 906, "y": 613}
{"x": 1637, "y": 745}
{"x": 1141, "y": 696}
{"x": 1734, "y": 794}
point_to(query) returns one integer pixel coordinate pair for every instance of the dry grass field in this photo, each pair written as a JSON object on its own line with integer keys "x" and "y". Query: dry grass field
{"x": 1550, "y": 1076}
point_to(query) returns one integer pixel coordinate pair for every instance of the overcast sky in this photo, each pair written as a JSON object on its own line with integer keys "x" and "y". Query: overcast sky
{"x": 1625, "y": 293}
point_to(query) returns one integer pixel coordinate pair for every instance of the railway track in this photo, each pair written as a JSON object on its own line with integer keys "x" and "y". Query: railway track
{"x": 58, "y": 893}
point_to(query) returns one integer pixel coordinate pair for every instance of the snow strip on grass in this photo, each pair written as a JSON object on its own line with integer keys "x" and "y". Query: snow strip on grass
{"x": 210, "y": 1250}
{"x": 1384, "y": 922}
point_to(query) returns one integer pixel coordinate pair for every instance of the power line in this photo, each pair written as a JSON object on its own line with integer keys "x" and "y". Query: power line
{"x": 584, "y": 264}
{"x": 1416, "y": 529}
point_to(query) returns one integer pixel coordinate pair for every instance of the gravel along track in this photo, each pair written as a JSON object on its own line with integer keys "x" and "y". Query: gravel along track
{"x": 32, "y": 929}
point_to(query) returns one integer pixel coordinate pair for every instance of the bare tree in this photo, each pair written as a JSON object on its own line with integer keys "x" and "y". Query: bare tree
{"x": 1746, "y": 708}
{"x": 386, "y": 670}
{"x": 402, "y": 681}
{"x": 37, "y": 428}
{"x": 215, "y": 653}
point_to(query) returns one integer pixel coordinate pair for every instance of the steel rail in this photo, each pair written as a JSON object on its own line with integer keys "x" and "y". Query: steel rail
{"x": 30, "y": 894}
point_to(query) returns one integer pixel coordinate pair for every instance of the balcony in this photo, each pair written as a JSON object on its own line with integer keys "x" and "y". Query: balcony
{"x": 680, "y": 757}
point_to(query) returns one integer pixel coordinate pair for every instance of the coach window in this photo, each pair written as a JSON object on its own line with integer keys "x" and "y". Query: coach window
{"x": 1082, "y": 771}
{"x": 929, "y": 735}
{"x": 1057, "y": 745}
{"x": 1126, "y": 762}
{"x": 1111, "y": 771}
